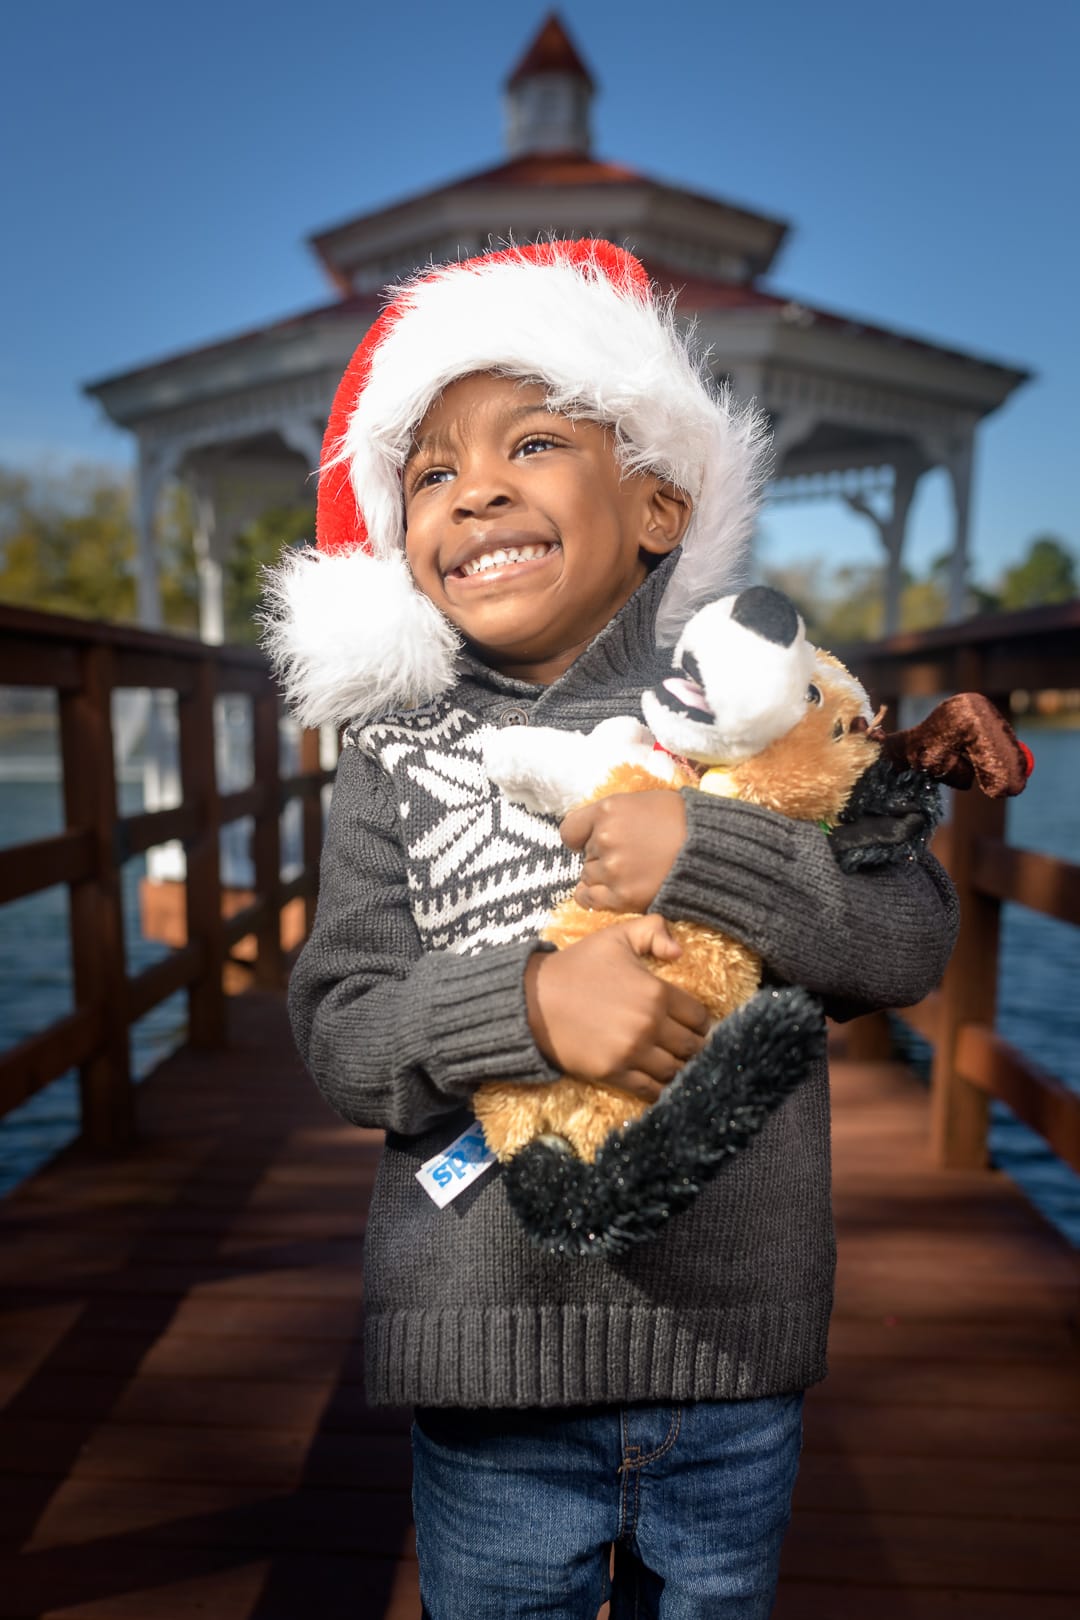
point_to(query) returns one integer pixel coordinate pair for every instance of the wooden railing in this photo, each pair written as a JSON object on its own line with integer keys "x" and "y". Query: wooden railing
{"x": 1036, "y": 650}
{"x": 84, "y": 662}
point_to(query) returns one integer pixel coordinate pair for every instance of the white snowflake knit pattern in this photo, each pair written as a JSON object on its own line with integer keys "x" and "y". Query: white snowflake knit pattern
{"x": 480, "y": 870}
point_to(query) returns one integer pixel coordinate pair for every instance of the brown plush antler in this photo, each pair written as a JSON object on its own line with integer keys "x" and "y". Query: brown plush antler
{"x": 964, "y": 740}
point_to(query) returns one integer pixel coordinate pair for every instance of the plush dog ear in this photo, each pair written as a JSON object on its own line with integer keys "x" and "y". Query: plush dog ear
{"x": 964, "y": 740}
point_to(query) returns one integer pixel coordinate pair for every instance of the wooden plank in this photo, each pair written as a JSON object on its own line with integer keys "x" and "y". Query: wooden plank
{"x": 305, "y": 885}
{"x": 947, "y": 1487}
{"x": 988, "y": 1061}
{"x": 198, "y": 774}
{"x": 972, "y": 1554}
{"x": 309, "y": 783}
{"x": 200, "y": 1404}
{"x": 67, "y": 629}
{"x": 312, "y": 832}
{"x": 246, "y": 921}
{"x": 266, "y": 844}
{"x": 26, "y": 868}
{"x": 959, "y": 1112}
{"x": 829, "y": 1600}
{"x": 187, "y": 1397}
{"x": 1038, "y": 1385}
{"x": 37, "y": 1060}
{"x": 24, "y": 661}
{"x": 898, "y": 1431}
{"x": 137, "y": 834}
{"x": 125, "y": 1581}
{"x": 264, "y": 1459}
{"x": 96, "y": 909}
{"x": 925, "y": 1017}
{"x": 195, "y": 1357}
{"x": 163, "y": 979}
{"x": 247, "y": 679}
{"x": 1040, "y": 882}
{"x": 160, "y": 670}
{"x": 249, "y": 801}
{"x": 175, "y": 1514}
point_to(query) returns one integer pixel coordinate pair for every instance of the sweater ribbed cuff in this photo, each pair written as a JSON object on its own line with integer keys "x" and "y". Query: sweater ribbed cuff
{"x": 470, "y": 1018}
{"x": 739, "y": 866}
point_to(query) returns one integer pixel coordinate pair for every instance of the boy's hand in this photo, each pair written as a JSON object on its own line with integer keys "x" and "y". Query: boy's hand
{"x": 630, "y": 842}
{"x": 597, "y": 1012}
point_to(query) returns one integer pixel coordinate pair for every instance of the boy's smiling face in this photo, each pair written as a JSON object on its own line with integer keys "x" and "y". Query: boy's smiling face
{"x": 521, "y": 526}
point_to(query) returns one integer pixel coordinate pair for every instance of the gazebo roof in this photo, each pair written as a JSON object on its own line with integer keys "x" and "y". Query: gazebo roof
{"x": 552, "y": 51}
{"x": 709, "y": 252}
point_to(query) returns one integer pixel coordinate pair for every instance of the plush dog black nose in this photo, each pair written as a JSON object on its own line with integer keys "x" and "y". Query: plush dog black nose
{"x": 768, "y": 613}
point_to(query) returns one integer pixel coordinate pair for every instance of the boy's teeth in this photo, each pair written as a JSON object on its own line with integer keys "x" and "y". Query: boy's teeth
{"x": 504, "y": 555}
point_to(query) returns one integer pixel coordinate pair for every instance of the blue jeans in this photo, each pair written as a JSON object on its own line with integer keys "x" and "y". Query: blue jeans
{"x": 517, "y": 1512}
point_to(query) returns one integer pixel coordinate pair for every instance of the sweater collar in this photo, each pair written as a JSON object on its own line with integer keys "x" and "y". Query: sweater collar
{"x": 616, "y": 656}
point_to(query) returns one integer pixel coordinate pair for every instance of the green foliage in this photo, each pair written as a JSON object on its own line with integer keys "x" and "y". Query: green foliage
{"x": 847, "y": 604}
{"x": 67, "y": 545}
{"x": 1047, "y": 574}
{"x": 258, "y": 547}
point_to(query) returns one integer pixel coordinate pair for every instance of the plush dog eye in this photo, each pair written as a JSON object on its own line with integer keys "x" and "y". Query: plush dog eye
{"x": 692, "y": 668}
{"x": 813, "y": 693}
{"x": 838, "y": 729}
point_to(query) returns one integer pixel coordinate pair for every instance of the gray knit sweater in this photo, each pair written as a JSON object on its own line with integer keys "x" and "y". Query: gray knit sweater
{"x": 409, "y": 994}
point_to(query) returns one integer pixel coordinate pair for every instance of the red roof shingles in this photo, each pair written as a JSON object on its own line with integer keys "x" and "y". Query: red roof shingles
{"x": 553, "y": 169}
{"x": 552, "y": 51}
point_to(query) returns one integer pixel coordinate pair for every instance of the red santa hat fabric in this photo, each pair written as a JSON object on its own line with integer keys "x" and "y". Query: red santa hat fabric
{"x": 348, "y": 632}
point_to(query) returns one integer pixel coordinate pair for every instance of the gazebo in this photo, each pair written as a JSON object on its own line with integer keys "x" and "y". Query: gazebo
{"x": 860, "y": 412}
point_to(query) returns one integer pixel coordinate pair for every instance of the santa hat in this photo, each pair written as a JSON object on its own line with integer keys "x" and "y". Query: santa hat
{"x": 348, "y": 632}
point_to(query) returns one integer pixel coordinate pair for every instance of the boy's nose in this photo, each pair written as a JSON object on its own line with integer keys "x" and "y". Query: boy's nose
{"x": 483, "y": 488}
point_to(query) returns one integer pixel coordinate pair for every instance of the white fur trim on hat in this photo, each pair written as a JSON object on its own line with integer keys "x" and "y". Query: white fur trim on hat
{"x": 348, "y": 633}
{"x": 350, "y": 636}
{"x": 606, "y": 353}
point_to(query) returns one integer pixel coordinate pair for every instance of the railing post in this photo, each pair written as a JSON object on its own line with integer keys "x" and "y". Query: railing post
{"x": 198, "y": 773}
{"x": 269, "y": 963}
{"x": 959, "y": 1111}
{"x": 869, "y": 1039}
{"x": 97, "y": 916}
{"x": 311, "y": 760}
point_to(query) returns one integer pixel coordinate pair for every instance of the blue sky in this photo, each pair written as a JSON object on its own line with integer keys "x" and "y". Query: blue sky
{"x": 161, "y": 167}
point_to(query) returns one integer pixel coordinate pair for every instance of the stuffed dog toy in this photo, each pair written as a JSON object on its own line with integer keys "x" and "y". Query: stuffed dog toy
{"x": 750, "y": 710}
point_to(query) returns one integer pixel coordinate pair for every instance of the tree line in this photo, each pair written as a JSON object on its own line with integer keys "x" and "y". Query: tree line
{"x": 67, "y": 545}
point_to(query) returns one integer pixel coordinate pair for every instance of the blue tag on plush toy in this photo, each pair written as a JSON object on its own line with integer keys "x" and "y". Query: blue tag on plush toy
{"x": 448, "y": 1174}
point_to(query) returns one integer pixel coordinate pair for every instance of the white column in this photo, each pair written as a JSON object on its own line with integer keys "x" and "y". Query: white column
{"x": 208, "y": 563}
{"x": 960, "y": 465}
{"x": 156, "y": 464}
{"x": 303, "y": 436}
{"x": 892, "y": 531}
{"x": 793, "y": 427}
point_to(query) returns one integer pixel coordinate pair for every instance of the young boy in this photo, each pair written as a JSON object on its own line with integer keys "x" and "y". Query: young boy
{"x": 529, "y": 485}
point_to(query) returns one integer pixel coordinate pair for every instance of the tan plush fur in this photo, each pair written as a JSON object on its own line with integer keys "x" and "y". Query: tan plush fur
{"x": 807, "y": 774}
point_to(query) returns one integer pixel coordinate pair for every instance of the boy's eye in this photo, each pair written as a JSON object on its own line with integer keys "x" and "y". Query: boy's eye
{"x": 432, "y": 475}
{"x": 535, "y": 442}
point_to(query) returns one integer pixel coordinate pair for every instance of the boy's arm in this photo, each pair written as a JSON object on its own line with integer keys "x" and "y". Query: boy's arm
{"x": 861, "y": 940}
{"x": 395, "y": 1037}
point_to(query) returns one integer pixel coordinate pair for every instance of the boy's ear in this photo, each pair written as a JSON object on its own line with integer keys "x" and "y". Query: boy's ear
{"x": 667, "y": 514}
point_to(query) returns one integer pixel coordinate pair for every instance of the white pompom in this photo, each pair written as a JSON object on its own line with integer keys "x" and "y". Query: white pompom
{"x": 351, "y": 638}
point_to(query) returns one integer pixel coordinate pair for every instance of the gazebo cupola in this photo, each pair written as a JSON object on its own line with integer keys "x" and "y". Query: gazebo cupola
{"x": 549, "y": 97}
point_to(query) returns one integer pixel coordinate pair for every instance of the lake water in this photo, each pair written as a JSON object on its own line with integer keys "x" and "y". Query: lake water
{"x": 1038, "y": 1002}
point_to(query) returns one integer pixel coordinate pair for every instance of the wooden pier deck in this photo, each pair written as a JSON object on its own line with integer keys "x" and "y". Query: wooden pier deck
{"x": 184, "y": 1430}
